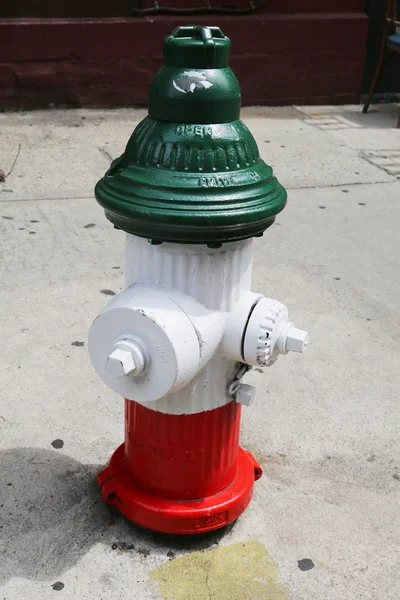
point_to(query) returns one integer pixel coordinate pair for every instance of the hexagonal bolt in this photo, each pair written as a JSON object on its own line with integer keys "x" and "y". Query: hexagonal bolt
{"x": 296, "y": 340}
{"x": 120, "y": 363}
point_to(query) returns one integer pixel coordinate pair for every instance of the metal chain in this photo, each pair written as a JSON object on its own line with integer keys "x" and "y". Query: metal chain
{"x": 232, "y": 389}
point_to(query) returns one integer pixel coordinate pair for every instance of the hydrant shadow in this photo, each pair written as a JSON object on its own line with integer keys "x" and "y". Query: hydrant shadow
{"x": 52, "y": 513}
{"x": 182, "y": 543}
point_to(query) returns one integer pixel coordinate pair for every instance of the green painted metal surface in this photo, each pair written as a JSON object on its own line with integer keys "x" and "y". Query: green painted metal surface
{"x": 195, "y": 85}
{"x": 191, "y": 171}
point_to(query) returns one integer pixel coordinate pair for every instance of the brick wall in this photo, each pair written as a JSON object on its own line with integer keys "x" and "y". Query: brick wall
{"x": 278, "y": 58}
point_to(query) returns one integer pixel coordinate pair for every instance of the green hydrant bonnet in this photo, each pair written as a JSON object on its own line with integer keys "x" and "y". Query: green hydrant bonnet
{"x": 191, "y": 171}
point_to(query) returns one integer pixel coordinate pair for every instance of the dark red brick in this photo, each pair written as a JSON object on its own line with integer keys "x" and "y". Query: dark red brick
{"x": 7, "y": 76}
{"x": 278, "y": 58}
{"x": 276, "y": 6}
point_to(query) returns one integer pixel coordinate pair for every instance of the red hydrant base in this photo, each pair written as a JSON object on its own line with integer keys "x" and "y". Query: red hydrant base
{"x": 178, "y": 516}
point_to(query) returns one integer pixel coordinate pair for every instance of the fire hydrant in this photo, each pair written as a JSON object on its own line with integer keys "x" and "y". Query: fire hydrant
{"x": 191, "y": 192}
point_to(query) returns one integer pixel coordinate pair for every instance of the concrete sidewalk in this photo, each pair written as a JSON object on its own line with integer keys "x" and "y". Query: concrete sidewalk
{"x": 324, "y": 522}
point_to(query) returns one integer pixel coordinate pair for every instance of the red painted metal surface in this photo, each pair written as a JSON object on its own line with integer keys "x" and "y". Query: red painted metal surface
{"x": 180, "y": 473}
{"x": 182, "y": 456}
{"x": 278, "y": 58}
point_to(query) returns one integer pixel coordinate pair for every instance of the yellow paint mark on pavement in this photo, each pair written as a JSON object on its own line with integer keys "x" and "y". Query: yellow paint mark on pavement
{"x": 242, "y": 571}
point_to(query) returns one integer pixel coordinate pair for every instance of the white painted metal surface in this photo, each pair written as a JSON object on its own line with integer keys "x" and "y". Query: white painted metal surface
{"x": 177, "y": 337}
{"x": 164, "y": 331}
{"x": 215, "y": 277}
{"x": 270, "y": 333}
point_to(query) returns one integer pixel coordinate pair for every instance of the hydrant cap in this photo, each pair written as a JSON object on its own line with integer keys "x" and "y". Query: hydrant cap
{"x": 195, "y": 85}
{"x": 191, "y": 171}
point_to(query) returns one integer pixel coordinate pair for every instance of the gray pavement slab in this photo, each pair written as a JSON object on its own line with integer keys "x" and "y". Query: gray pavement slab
{"x": 361, "y": 139}
{"x": 305, "y": 156}
{"x": 325, "y": 426}
{"x": 68, "y": 127}
{"x": 379, "y": 116}
{"x": 54, "y": 172}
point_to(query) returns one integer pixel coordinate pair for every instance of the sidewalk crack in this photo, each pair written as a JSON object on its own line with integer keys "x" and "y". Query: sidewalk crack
{"x": 15, "y": 160}
{"x": 106, "y": 154}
